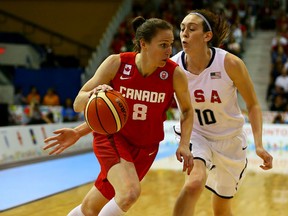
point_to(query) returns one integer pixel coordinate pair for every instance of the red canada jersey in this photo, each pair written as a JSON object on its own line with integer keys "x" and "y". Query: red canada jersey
{"x": 148, "y": 99}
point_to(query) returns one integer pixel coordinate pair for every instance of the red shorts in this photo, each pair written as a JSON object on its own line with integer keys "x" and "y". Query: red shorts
{"x": 109, "y": 150}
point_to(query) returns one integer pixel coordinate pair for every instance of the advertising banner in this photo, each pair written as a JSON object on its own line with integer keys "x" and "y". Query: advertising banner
{"x": 25, "y": 143}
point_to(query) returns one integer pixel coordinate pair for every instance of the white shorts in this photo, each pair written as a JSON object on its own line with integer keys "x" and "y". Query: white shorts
{"x": 225, "y": 160}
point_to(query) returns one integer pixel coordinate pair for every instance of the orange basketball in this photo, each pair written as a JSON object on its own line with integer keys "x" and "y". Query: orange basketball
{"x": 106, "y": 112}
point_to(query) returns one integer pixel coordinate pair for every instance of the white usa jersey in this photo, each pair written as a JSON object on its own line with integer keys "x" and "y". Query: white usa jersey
{"x": 214, "y": 98}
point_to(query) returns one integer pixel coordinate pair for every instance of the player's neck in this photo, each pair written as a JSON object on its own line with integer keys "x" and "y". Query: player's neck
{"x": 197, "y": 63}
{"x": 144, "y": 68}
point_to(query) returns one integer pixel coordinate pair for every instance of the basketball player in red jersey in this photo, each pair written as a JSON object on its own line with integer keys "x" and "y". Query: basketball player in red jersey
{"x": 218, "y": 142}
{"x": 147, "y": 79}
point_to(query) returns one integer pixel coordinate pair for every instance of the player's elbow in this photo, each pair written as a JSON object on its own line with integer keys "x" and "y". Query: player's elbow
{"x": 77, "y": 107}
{"x": 187, "y": 112}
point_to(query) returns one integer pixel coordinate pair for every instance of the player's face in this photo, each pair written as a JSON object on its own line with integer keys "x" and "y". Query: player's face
{"x": 160, "y": 48}
{"x": 191, "y": 32}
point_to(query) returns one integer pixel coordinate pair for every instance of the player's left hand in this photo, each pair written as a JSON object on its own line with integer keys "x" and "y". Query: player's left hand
{"x": 184, "y": 155}
{"x": 267, "y": 158}
{"x": 63, "y": 139}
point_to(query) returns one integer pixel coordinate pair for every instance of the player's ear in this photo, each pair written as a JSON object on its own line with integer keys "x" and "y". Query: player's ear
{"x": 142, "y": 43}
{"x": 208, "y": 36}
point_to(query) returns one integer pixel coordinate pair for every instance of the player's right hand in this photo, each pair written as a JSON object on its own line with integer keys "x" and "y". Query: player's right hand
{"x": 266, "y": 157}
{"x": 184, "y": 155}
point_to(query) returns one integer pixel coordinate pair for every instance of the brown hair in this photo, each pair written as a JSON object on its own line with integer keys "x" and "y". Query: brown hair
{"x": 219, "y": 25}
{"x": 147, "y": 29}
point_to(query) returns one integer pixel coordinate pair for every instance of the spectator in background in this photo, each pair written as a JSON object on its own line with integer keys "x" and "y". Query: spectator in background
{"x": 285, "y": 116}
{"x": 278, "y": 59}
{"x": 117, "y": 44}
{"x": 266, "y": 16}
{"x": 36, "y": 116}
{"x": 242, "y": 10}
{"x": 19, "y": 98}
{"x": 281, "y": 82}
{"x": 51, "y": 98}
{"x": 279, "y": 39}
{"x": 231, "y": 11}
{"x": 231, "y": 45}
{"x": 278, "y": 53}
{"x": 276, "y": 69}
{"x": 278, "y": 119}
{"x": 278, "y": 104}
{"x": 68, "y": 113}
{"x": 239, "y": 32}
{"x": 33, "y": 96}
{"x": 176, "y": 46}
{"x": 252, "y": 13}
{"x": 49, "y": 117}
{"x": 282, "y": 23}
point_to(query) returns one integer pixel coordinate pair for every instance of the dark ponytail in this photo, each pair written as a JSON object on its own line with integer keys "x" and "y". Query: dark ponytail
{"x": 138, "y": 21}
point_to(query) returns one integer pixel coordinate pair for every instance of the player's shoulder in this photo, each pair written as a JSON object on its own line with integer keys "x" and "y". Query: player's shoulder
{"x": 113, "y": 57}
{"x": 124, "y": 55}
{"x": 228, "y": 56}
{"x": 234, "y": 66}
{"x": 232, "y": 60}
{"x": 128, "y": 55}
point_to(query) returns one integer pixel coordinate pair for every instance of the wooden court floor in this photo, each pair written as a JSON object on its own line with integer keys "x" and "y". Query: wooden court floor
{"x": 260, "y": 195}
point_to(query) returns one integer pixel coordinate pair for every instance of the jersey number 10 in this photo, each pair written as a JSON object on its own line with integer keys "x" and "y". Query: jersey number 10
{"x": 205, "y": 117}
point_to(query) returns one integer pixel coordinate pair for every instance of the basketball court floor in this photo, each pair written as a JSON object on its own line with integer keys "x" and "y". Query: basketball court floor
{"x": 260, "y": 194}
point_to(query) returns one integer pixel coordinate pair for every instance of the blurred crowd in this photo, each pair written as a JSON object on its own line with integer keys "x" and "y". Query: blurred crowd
{"x": 244, "y": 17}
{"x": 40, "y": 110}
{"x": 277, "y": 91}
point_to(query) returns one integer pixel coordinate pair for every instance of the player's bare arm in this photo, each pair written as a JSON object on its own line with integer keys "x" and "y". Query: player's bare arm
{"x": 103, "y": 75}
{"x": 186, "y": 118}
{"x": 238, "y": 72}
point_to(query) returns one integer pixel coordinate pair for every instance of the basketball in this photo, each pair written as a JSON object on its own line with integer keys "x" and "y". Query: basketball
{"x": 106, "y": 112}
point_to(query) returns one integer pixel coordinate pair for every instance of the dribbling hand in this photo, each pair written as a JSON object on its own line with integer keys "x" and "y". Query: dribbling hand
{"x": 103, "y": 87}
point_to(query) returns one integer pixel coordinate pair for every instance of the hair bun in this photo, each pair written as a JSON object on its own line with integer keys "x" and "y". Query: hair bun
{"x": 138, "y": 21}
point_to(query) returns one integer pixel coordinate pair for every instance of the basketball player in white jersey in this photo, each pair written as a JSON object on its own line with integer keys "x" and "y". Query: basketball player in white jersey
{"x": 218, "y": 143}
